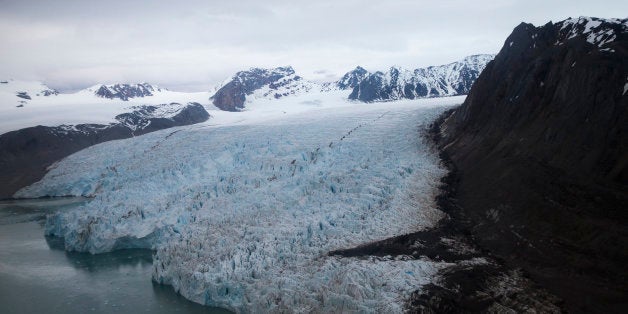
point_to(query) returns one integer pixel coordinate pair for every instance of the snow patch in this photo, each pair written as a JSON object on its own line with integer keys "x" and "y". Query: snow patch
{"x": 596, "y": 31}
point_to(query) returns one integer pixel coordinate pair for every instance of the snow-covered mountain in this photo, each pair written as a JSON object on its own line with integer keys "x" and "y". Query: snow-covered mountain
{"x": 447, "y": 80}
{"x": 435, "y": 81}
{"x": 352, "y": 78}
{"x": 19, "y": 93}
{"x": 125, "y": 91}
{"x": 29, "y": 103}
{"x": 259, "y": 83}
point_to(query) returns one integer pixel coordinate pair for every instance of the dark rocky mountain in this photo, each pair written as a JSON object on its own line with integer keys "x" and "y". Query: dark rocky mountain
{"x": 126, "y": 91}
{"x": 26, "y": 154}
{"x": 232, "y": 95}
{"x": 540, "y": 148}
{"x": 446, "y": 80}
{"x": 352, "y": 78}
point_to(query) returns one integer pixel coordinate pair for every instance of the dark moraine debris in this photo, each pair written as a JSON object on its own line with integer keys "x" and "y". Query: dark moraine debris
{"x": 26, "y": 154}
{"x": 541, "y": 150}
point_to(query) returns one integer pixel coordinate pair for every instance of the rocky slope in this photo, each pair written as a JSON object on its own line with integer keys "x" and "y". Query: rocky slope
{"x": 397, "y": 83}
{"x": 25, "y": 154}
{"x": 541, "y": 150}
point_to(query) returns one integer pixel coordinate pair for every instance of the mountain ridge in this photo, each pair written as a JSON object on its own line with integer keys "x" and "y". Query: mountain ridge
{"x": 549, "y": 116}
{"x": 25, "y": 154}
{"x": 450, "y": 79}
{"x": 124, "y": 91}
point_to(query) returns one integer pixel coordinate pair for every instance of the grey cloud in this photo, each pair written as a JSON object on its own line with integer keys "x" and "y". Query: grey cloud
{"x": 190, "y": 45}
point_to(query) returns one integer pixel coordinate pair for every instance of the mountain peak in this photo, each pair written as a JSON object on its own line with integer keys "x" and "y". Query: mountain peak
{"x": 125, "y": 91}
{"x": 352, "y": 78}
{"x": 275, "y": 83}
{"x": 256, "y": 73}
{"x": 451, "y": 79}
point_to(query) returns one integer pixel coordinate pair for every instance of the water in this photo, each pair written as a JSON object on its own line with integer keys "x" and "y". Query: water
{"x": 38, "y": 276}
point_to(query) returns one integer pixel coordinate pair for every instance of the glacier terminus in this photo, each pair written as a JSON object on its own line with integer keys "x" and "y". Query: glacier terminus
{"x": 243, "y": 209}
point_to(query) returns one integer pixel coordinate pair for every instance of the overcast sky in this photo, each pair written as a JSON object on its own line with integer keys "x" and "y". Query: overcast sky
{"x": 192, "y": 45}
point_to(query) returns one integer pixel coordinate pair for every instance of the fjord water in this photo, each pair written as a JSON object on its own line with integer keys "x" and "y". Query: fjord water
{"x": 38, "y": 276}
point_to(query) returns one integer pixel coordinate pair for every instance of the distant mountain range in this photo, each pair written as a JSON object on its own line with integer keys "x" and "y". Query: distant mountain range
{"x": 397, "y": 83}
{"x": 126, "y": 91}
{"x": 58, "y": 124}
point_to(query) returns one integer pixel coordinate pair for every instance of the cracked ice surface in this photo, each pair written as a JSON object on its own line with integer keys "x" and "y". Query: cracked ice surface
{"x": 242, "y": 216}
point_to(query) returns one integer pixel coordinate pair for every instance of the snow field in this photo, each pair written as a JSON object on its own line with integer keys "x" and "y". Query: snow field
{"x": 77, "y": 108}
{"x": 242, "y": 215}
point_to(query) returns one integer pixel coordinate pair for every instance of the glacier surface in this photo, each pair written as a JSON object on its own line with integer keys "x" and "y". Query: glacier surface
{"x": 243, "y": 213}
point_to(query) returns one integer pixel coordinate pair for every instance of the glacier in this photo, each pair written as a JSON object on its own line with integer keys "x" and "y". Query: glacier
{"x": 243, "y": 209}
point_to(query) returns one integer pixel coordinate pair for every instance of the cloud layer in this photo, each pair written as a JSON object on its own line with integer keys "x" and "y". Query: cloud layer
{"x": 190, "y": 45}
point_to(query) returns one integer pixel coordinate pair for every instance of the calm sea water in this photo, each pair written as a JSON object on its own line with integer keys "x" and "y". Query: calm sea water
{"x": 38, "y": 276}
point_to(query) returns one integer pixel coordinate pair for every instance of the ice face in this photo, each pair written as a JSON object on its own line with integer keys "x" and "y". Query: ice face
{"x": 242, "y": 216}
